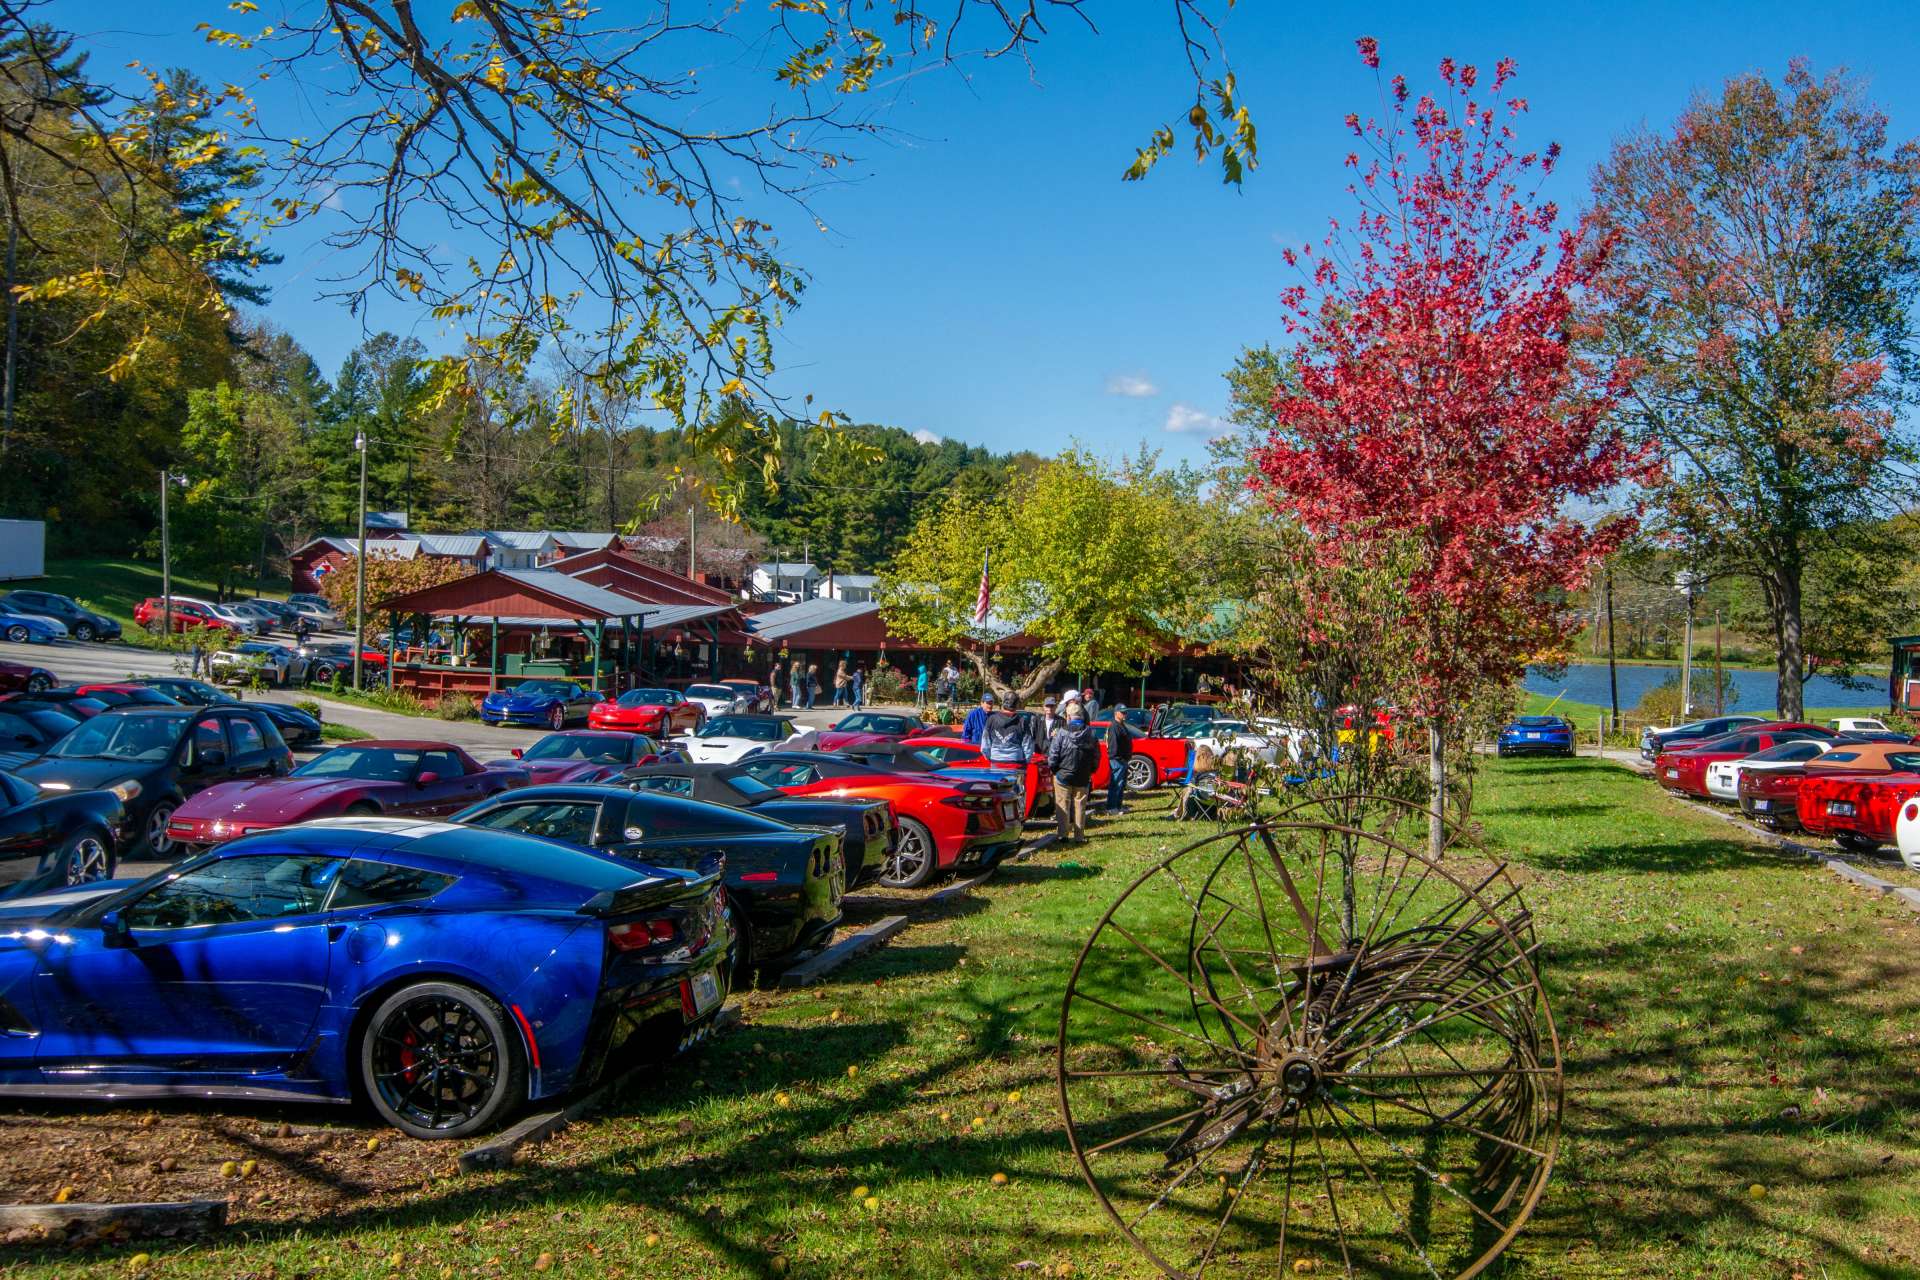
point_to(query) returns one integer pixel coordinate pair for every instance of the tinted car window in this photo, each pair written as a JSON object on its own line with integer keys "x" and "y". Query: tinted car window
{"x": 371, "y": 764}
{"x": 781, "y": 773}
{"x": 19, "y": 729}
{"x": 208, "y": 736}
{"x": 378, "y": 884}
{"x": 602, "y": 748}
{"x": 572, "y": 821}
{"x": 236, "y": 890}
{"x": 444, "y": 763}
{"x": 1790, "y": 752}
{"x": 148, "y": 739}
{"x": 663, "y": 817}
{"x": 246, "y": 736}
{"x": 649, "y": 698}
{"x": 752, "y": 728}
{"x": 664, "y": 784}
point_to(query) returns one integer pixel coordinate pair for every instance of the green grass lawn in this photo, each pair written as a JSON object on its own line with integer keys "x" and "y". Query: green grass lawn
{"x": 115, "y": 587}
{"x": 1730, "y": 1019}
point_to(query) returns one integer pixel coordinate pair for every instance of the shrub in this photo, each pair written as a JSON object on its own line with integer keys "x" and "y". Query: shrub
{"x": 309, "y": 706}
{"x": 888, "y": 683}
{"x": 1661, "y": 704}
{"x": 455, "y": 706}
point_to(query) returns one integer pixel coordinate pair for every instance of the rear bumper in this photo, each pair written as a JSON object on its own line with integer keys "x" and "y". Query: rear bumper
{"x": 1537, "y": 747}
{"x": 1780, "y": 813}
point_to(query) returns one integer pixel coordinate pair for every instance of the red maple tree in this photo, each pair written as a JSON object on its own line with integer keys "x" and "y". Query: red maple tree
{"x": 1439, "y": 403}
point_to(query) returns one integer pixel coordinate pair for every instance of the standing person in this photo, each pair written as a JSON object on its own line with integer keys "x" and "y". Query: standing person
{"x": 1073, "y": 752}
{"x": 976, "y": 722}
{"x": 1007, "y": 738}
{"x": 199, "y": 655}
{"x": 920, "y": 688}
{"x": 949, "y": 682}
{"x": 841, "y": 683}
{"x": 1091, "y": 703}
{"x": 1120, "y": 736}
{"x": 858, "y": 683}
{"x": 813, "y": 685}
{"x": 796, "y": 681}
{"x": 1051, "y": 720}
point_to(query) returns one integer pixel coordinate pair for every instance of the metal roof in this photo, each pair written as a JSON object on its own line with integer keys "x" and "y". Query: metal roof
{"x": 581, "y": 541}
{"x": 520, "y": 539}
{"x": 853, "y": 579}
{"x": 461, "y": 545}
{"x": 788, "y": 569}
{"x": 805, "y": 616}
{"x": 594, "y": 602}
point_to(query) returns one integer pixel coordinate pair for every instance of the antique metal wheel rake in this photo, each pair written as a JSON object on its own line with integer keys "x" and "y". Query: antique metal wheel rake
{"x": 1302, "y": 1047}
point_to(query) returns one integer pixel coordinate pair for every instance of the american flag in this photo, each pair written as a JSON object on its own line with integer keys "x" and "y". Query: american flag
{"x": 983, "y": 601}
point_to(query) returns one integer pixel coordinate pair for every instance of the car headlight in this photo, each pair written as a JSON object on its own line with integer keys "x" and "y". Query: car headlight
{"x": 125, "y": 790}
{"x": 55, "y": 786}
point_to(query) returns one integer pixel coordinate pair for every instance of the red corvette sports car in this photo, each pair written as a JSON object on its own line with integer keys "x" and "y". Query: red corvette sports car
{"x": 20, "y": 677}
{"x": 1770, "y": 793}
{"x": 1859, "y": 809}
{"x": 1686, "y": 771}
{"x": 384, "y": 777}
{"x": 583, "y": 755}
{"x": 949, "y": 755}
{"x": 659, "y": 712}
{"x": 943, "y": 823}
{"x": 869, "y": 728}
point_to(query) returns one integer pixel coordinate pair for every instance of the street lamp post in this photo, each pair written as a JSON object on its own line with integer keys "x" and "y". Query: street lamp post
{"x": 1686, "y": 580}
{"x": 166, "y": 562}
{"x": 360, "y": 564}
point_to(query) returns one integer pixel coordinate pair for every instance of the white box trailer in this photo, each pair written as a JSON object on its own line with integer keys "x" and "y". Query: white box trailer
{"x": 23, "y": 549}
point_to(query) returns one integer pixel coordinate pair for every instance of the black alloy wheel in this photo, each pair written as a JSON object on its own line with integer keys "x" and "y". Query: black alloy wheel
{"x": 39, "y": 684}
{"x": 440, "y": 1060}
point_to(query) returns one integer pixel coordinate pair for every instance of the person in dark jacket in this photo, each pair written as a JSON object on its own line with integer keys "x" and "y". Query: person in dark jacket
{"x": 1072, "y": 755}
{"x": 1007, "y": 737}
{"x": 976, "y": 722}
{"x": 1120, "y": 736}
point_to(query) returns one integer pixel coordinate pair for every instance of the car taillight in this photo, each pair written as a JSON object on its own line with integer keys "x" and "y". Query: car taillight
{"x": 637, "y": 935}
{"x": 969, "y": 801}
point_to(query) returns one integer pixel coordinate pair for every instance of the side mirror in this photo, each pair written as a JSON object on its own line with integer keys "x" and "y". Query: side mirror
{"x": 211, "y": 758}
{"x": 430, "y": 777}
{"x": 518, "y": 752}
{"x": 834, "y": 725}
{"x": 114, "y": 926}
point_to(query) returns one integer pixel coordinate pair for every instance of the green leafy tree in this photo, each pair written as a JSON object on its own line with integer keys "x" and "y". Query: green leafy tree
{"x": 1086, "y": 559}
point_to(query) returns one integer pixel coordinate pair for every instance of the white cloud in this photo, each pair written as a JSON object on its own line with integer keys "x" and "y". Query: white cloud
{"x": 1135, "y": 386}
{"x": 925, "y": 436}
{"x": 1184, "y": 419}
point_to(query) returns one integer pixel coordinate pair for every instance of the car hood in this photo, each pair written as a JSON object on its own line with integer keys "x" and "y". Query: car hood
{"x": 85, "y": 775}
{"x": 632, "y": 709}
{"x": 541, "y": 772}
{"x": 22, "y": 913}
{"x": 832, "y": 740}
{"x": 277, "y": 799}
{"x": 720, "y": 748}
{"x": 518, "y": 701}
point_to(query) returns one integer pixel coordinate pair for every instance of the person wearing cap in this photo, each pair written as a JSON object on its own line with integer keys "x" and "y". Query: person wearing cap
{"x": 976, "y": 722}
{"x": 1091, "y": 703}
{"x": 1051, "y": 718}
{"x": 1120, "y": 736}
{"x": 1073, "y": 752}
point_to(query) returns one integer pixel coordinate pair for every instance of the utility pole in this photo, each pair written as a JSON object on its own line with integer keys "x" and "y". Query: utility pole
{"x": 1685, "y": 581}
{"x": 1613, "y": 675}
{"x": 360, "y": 564}
{"x": 166, "y": 562}
{"x": 690, "y": 540}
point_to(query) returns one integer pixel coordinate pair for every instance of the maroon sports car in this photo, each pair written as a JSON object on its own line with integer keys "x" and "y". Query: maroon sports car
{"x": 388, "y": 777}
{"x": 583, "y": 755}
{"x": 867, "y": 729}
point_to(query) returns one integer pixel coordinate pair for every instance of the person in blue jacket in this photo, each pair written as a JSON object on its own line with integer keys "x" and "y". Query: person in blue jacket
{"x": 976, "y": 722}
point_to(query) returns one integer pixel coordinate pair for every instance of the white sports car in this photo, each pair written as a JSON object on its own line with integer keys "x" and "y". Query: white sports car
{"x": 1723, "y": 776}
{"x": 725, "y": 739}
{"x": 1906, "y": 833}
{"x": 719, "y": 699}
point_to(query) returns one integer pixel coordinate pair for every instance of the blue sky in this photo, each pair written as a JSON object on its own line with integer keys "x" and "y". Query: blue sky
{"x": 988, "y": 277}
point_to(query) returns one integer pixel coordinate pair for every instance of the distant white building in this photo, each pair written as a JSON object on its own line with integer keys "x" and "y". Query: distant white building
{"x": 785, "y": 580}
{"x": 849, "y": 588}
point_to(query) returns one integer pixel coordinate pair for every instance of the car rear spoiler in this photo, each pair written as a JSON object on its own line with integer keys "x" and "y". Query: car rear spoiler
{"x": 656, "y": 891}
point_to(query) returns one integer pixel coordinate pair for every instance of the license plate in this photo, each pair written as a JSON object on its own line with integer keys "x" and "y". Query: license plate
{"x": 1840, "y": 808}
{"x": 1530, "y": 736}
{"x": 1763, "y": 805}
{"x": 1009, "y": 810}
{"x": 1673, "y": 773}
{"x": 705, "y": 990}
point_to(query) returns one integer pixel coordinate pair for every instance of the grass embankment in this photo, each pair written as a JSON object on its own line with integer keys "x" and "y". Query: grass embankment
{"x": 115, "y": 587}
{"x": 1731, "y": 1019}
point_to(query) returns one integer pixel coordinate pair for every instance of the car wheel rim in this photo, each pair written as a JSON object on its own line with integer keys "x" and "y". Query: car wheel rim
{"x": 83, "y": 632}
{"x": 39, "y": 684}
{"x": 157, "y": 839}
{"x": 1138, "y": 777}
{"x": 907, "y": 858}
{"x": 17, "y": 634}
{"x": 87, "y": 861}
{"x": 435, "y": 1062}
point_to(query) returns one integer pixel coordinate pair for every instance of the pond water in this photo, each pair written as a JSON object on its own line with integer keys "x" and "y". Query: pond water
{"x": 1756, "y": 690}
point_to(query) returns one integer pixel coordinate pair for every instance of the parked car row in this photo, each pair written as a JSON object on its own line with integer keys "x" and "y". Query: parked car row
{"x": 1852, "y": 780}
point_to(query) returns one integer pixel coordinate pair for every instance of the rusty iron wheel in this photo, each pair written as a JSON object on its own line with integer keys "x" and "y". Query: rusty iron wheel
{"x": 1303, "y": 1047}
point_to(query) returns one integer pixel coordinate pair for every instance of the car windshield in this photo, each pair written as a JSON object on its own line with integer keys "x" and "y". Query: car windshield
{"x": 1904, "y": 761}
{"x": 1790, "y": 752}
{"x": 645, "y": 698}
{"x": 709, "y": 691}
{"x": 753, "y": 730}
{"x": 376, "y": 764}
{"x": 1538, "y": 722}
{"x": 601, "y": 748}
{"x": 869, "y": 722}
{"x": 122, "y": 737}
{"x": 545, "y": 689}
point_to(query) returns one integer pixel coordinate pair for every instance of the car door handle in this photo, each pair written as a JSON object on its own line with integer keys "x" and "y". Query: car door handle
{"x": 335, "y": 932}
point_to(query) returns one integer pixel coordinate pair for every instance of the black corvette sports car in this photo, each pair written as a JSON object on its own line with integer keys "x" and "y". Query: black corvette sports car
{"x": 52, "y": 838}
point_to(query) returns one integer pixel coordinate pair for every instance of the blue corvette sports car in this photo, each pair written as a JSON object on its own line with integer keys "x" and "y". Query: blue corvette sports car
{"x": 1536, "y": 735}
{"x": 552, "y": 703}
{"x": 446, "y": 974}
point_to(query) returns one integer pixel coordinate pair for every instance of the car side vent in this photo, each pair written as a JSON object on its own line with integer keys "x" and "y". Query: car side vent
{"x": 12, "y": 1021}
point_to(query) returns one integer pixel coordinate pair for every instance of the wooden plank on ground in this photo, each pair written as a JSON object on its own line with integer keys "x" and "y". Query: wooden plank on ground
{"x": 154, "y": 1218}
{"x": 960, "y": 888}
{"x": 856, "y": 943}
